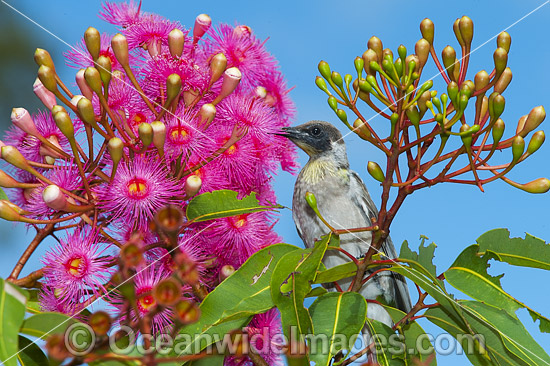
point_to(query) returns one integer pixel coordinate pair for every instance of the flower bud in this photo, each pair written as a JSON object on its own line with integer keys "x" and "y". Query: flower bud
{"x": 411, "y": 63}
{"x": 159, "y": 134}
{"x": 448, "y": 55}
{"x": 173, "y": 87}
{"x": 311, "y": 201}
{"x": 421, "y": 102}
{"x": 333, "y": 103}
{"x": 193, "y": 184}
{"x": 21, "y": 118}
{"x": 167, "y": 292}
{"x": 503, "y": 81}
{"x": 145, "y": 132}
{"x": 82, "y": 85}
{"x": 261, "y": 92}
{"x": 321, "y": 84}
{"x": 375, "y": 44}
{"x": 364, "y": 86}
{"x": 231, "y": 78}
{"x": 466, "y": 136}
{"x": 116, "y": 149}
{"x": 100, "y": 321}
{"x": 104, "y": 67}
{"x": 207, "y": 113}
{"x": 187, "y": 312}
{"x": 226, "y": 271}
{"x": 521, "y": 124}
{"x": 119, "y": 45}
{"x": 361, "y": 129}
{"x": 46, "y": 97}
{"x": 202, "y": 24}
{"x": 186, "y": 269}
{"x": 498, "y": 131}
{"x": 54, "y": 198}
{"x": 504, "y": 41}
{"x": 456, "y": 30}
{"x": 422, "y": 50}
{"x": 427, "y": 30}
{"x": 176, "y": 40}
{"x": 496, "y": 105}
{"x": 64, "y": 123}
{"x": 7, "y": 181}
{"x": 536, "y": 142}
{"x": 57, "y": 347}
{"x": 466, "y": 28}
{"x": 452, "y": 90}
{"x": 500, "y": 57}
{"x": 92, "y": 39}
{"x": 324, "y": 69}
{"x": 337, "y": 79}
{"x": 58, "y": 108}
{"x": 86, "y": 111}
{"x": 534, "y": 119}
{"x": 169, "y": 219}
{"x": 375, "y": 171}
{"x": 43, "y": 58}
{"x": 217, "y": 67}
{"x": 518, "y": 147}
{"x": 368, "y": 57}
{"x": 47, "y": 77}
{"x": 342, "y": 115}
{"x": 75, "y": 99}
{"x": 93, "y": 79}
{"x": 413, "y": 115}
{"x": 14, "y": 157}
{"x": 481, "y": 80}
{"x": 359, "y": 64}
{"x": 131, "y": 254}
{"x": 541, "y": 185}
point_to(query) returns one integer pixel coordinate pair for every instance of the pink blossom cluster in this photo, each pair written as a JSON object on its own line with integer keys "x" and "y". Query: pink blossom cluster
{"x": 176, "y": 113}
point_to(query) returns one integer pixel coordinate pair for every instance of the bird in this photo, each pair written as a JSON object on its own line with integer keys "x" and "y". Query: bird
{"x": 344, "y": 202}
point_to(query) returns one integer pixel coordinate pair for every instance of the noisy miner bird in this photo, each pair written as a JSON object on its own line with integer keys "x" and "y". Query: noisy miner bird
{"x": 344, "y": 202}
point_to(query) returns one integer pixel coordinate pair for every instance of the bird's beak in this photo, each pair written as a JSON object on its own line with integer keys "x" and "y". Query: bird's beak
{"x": 290, "y": 133}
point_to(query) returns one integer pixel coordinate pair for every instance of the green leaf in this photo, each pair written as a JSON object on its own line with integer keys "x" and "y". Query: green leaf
{"x": 207, "y": 361}
{"x": 291, "y": 282}
{"x": 389, "y": 349}
{"x": 230, "y": 305}
{"x": 44, "y": 324}
{"x": 424, "y": 256}
{"x": 528, "y": 252}
{"x": 336, "y": 273}
{"x": 3, "y": 195}
{"x": 412, "y": 332}
{"x": 317, "y": 291}
{"x": 33, "y": 304}
{"x": 469, "y": 275}
{"x": 30, "y": 354}
{"x": 12, "y": 313}
{"x": 222, "y": 203}
{"x": 335, "y": 316}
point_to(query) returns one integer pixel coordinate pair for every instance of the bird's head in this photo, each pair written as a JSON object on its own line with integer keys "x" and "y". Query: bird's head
{"x": 316, "y": 138}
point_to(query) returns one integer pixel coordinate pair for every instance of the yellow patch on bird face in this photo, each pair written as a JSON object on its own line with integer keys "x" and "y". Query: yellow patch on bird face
{"x": 317, "y": 170}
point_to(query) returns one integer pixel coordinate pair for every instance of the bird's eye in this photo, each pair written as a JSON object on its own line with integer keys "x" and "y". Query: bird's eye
{"x": 315, "y": 131}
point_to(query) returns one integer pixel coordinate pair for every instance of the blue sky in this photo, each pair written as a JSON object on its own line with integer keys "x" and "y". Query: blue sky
{"x": 300, "y": 35}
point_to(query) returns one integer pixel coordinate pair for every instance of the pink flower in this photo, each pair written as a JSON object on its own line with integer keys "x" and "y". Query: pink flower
{"x": 76, "y": 266}
{"x": 277, "y": 95}
{"x": 150, "y": 30}
{"x": 139, "y": 189}
{"x": 121, "y": 14}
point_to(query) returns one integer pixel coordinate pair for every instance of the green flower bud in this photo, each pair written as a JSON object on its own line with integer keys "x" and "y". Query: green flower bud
{"x": 456, "y": 30}
{"x": 311, "y": 201}
{"x": 47, "y": 77}
{"x": 374, "y": 65}
{"x": 387, "y": 54}
{"x": 426, "y": 86}
{"x": 7, "y": 181}
{"x": 43, "y": 58}
{"x": 361, "y": 129}
{"x": 64, "y": 123}
{"x": 320, "y": 82}
{"x": 333, "y": 103}
{"x": 375, "y": 171}
{"x": 116, "y": 149}
{"x": 337, "y": 79}
{"x": 91, "y": 75}
{"x": 413, "y": 115}
{"x": 387, "y": 65}
{"x": 398, "y": 64}
{"x": 481, "y": 80}
{"x": 359, "y": 64}
{"x": 167, "y": 292}
{"x": 368, "y": 57}
{"x": 467, "y": 89}
{"x": 402, "y": 52}
{"x": 342, "y": 115}
{"x": 86, "y": 111}
{"x": 503, "y": 81}
{"x": 58, "y": 108}
{"x": 421, "y": 102}
{"x": 347, "y": 79}
{"x": 145, "y": 132}
{"x": 466, "y": 28}
{"x": 449, "y": 56}
{"x": 411, "y": 63}
{"x": 498, "y": 131}
{"x": 496, "y": 105}
{"x": 484, "y": 106}
{"x": 466, "y": 136}
{"x": 104, "y": 67}
{"x": 504, "y": 41}
{"x": 324, "y": 69}
{"x": 365, "y": 86}
{"x": 500, "y": 57}
{"x": 437, "y": 104}
{"x": 92, "y": 39}
{"x": 427, "y": 30}
{"x": 14, "y": 157}
{"x": 534, "y": 119}
{"x": 119, "y": 45}
{"x": 521, "y": 124}
{"x": 518, "y": 147}
{"x": 173, "y": 87}
{"x": 176, "y": 40}
{"x": 9, "y": 211}
{"x": 422, "y": 50}
{"x": 462, "y": 102}
{"x": 101, "y": 322}
{"x": 541, "y": 185}
{"x": 218, "y": 64}
{"x": 536, "y": 142}
{"x": 159, "y": 134}
{"x": 375, "y": 44}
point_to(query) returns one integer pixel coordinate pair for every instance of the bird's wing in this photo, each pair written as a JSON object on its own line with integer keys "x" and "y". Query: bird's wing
{"x": 363, "y": 200}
